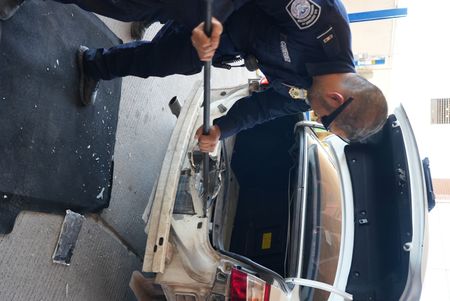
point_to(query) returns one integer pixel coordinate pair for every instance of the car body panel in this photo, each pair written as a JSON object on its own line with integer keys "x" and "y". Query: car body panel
{"x": 348, "y": 227}
{"x": 335, "y": 146}
{"x": 418, "y": 244}
{"x": 163, "y": 201}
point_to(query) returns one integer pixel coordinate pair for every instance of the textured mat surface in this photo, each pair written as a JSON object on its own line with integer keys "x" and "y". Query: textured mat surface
{"x": 54, "y": 153}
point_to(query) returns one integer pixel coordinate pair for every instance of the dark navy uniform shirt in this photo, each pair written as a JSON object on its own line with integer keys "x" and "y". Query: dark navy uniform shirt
{"x": 292, "y": 41}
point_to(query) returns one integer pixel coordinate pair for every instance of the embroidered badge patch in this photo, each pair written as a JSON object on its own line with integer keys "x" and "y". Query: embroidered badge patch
{"x": 304, "y": 12}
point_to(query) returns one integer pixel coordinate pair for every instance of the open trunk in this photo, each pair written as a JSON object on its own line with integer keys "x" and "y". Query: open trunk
{"x": 263, "y": 161}
{"x": 265, "y": 224}
{"x": 292, "y": 209}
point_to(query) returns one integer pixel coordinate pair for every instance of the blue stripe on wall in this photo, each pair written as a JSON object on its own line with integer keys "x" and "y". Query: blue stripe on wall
{"x": 378, "y": 15}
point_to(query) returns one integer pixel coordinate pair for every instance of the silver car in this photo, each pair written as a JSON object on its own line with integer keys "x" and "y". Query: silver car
{"x": 293, "y": 213}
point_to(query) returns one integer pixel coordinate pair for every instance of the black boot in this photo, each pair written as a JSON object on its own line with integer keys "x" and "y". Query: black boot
{"x": 88, "y": 85}
{"x": 138, "y": 29}
{"x": 8, "y": 8}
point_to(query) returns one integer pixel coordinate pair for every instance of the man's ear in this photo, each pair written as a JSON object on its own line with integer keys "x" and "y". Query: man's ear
{"x": 334, "y": 99}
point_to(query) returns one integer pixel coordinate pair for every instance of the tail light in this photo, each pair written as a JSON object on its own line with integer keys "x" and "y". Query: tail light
{"x": 245, "y": 287}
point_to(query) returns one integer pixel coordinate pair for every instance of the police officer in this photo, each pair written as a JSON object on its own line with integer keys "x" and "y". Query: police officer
{"x": 302, "y": 46}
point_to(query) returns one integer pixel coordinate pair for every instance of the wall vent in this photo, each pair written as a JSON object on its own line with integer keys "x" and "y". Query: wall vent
{"x": 440, "y": 111}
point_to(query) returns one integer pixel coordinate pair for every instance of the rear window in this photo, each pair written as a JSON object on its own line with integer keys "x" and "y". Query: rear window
{"x": 323, "y": 221}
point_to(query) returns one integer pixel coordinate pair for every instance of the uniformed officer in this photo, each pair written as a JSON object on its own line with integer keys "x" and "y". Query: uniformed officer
{"x": 300, "y": 45}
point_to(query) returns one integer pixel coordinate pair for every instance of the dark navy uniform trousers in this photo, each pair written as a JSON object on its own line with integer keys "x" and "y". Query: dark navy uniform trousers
{"x": 170, "y": 52}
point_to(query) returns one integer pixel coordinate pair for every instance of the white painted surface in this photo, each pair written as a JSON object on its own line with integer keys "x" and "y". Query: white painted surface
{"x": 420, "y": 72}
{"x": 437, "y": 277}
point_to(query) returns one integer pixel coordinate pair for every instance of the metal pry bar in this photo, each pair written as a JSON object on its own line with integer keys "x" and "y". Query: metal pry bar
{"x": 206, "y": 104}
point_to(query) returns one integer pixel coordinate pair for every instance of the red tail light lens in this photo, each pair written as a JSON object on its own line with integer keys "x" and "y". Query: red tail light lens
{"x": 245, "y": 287}
{"x": 238, "y": 285}
{"x": 267, "y": 292}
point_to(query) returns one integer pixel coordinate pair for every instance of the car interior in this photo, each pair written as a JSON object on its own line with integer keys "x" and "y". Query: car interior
{"x": 263, "y": 160}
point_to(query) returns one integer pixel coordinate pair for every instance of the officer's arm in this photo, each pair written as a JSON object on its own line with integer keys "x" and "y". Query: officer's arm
{"x": 256, "y": 109}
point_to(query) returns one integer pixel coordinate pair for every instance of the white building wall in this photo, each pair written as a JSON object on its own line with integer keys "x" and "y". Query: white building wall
{"x": 417, "y": 51}
{"x": 421, "y": 67}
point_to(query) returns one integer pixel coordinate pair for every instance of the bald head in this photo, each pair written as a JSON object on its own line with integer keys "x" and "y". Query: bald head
{"x": 367, "y": 114}
{"x": 364, "y": 116}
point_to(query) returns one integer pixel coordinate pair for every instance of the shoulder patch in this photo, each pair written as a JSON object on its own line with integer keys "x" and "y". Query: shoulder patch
{"x": 305, "y": 13}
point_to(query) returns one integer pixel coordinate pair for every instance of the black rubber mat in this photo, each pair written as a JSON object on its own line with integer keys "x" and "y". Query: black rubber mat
{"x": 54, "y": 153}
